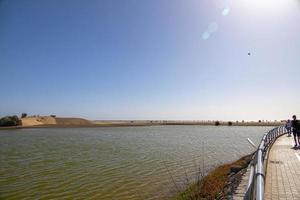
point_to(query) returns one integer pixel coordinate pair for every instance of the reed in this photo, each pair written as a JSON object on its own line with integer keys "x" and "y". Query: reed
{"x": 212, "y": 185}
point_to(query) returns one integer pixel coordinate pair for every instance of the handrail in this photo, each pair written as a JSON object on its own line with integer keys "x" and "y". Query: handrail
{"x": 256, "y": 183}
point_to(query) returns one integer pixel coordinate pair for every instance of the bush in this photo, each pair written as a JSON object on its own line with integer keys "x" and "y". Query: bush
{"x": 217, "y": 123}
{"x": 24, "y": 115}
{"x": 10, "y": 121}
{"x": 229, "y": 123}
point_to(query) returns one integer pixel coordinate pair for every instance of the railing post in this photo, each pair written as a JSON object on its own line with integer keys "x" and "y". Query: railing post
{"x": 260, "y": 182}
{"x": 259, "y": 178}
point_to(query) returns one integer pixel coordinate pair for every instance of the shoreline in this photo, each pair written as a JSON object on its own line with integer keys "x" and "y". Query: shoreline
{"x": 134, "y": 124}
{"x": 71, "y": 122}
{"x": 220, "y": 183}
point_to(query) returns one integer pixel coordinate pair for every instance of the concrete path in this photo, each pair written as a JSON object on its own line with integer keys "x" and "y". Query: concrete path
{"x": 283, "y": 170}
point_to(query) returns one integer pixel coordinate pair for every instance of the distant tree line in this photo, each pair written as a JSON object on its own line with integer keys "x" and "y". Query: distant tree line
{"x": 10, "y": 121}
{"x": 218, "y": 123}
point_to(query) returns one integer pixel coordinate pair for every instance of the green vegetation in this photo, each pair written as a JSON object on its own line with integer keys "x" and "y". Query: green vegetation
{"x": 10, "y": 121}
{"x": 212, "y": 186}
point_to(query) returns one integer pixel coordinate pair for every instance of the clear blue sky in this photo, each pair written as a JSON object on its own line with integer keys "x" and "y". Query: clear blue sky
{"x": 151, "y": 59}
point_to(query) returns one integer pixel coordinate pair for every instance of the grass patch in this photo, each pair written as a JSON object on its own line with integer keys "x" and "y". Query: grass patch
{"x": 212, "y": 186}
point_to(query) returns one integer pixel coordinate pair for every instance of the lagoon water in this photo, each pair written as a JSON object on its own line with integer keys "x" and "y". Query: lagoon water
{"x": 151, "y": 162}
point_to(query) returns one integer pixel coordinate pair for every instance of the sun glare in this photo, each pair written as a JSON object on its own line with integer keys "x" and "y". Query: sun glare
{"x": 268, "y": 7}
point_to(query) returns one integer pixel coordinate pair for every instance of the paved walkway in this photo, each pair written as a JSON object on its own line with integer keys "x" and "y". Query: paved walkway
{"x": 283, "y": 170}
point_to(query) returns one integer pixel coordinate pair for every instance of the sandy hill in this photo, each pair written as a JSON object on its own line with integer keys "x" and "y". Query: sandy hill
{"x": 57, "y": 121}
{"x": 34, "y": 121}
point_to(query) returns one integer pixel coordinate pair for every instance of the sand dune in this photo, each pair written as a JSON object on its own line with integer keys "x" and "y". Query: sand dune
{"x": 45, "y": 121}
{"x": 34, "y": 121}
{"x": 51, "y": 121}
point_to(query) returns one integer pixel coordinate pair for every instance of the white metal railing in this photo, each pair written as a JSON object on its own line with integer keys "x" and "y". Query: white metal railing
{"x": 256, "y": 183}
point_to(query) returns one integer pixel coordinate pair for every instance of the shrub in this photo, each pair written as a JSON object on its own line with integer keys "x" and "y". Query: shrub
{"x": 229, "y": 123}
{"x": 10, "y": 121}
{"x": 217, "y": 123}
{"x": 24, "y": 115}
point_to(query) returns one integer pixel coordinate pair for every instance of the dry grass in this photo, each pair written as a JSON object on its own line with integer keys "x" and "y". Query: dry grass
{"x": 212, "y": 186}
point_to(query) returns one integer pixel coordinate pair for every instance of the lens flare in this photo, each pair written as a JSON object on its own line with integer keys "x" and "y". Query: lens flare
{"x": 225, "y": 11}
{"x": 205, "y": 35}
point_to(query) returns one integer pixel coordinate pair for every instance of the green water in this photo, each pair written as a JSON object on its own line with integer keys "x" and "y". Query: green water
{"x": 114, "y": 163}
